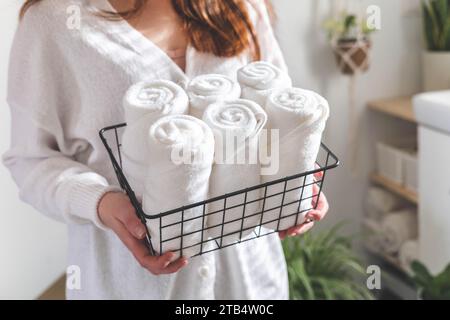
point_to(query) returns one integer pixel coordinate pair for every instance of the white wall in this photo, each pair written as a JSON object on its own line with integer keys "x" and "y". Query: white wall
{"x": 395, "y": 71}
{"x": 32, "y": 247}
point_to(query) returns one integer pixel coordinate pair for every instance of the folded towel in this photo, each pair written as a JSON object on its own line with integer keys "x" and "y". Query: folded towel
{"x": 236, "y": 125}
{"x": 145, "y": 103}
{"x": 380, "y": 201}
{"x": 210, "y": 88}
{"x": 259, "y": 79}
{"x": 372, "y": 234}
{"x": 409, "y": 252}
{"x": 300, "y": 116}
{"x": 181, "y": 160}
{"x": 397, "y": 228}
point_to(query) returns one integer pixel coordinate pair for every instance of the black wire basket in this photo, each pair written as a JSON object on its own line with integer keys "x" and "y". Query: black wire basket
{"x": 326, "y": 160}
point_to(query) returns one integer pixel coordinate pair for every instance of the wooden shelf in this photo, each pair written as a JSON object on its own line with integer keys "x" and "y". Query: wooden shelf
{"x": 395, "y": 188}
{"x": 401, "y": 108}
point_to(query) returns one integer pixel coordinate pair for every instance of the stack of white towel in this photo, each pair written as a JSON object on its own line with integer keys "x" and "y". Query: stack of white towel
{"x": 172, "y": 159}
{"x": 397, "y": 228}
{"x": 391, "y": 227}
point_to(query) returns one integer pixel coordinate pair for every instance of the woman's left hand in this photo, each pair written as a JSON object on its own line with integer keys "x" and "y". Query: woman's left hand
{"x": 314, "y": 215}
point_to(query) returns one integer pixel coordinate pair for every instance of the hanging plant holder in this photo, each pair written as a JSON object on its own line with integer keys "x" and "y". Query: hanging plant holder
{"x": 352, "y": 55}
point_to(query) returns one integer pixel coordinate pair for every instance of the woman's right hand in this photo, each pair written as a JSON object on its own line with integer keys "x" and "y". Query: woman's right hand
{"x": 117, "y": 213}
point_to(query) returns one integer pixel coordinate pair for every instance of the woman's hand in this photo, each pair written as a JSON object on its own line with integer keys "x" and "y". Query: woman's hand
{"x": 314, "y": 215}
{"x": 116, "y": 212}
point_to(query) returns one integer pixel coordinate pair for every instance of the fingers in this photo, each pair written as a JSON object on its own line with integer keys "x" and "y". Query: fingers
{"x": 282, "y": 234}
{"x": 132, "y": 223}
{"x": 321, "y": 209}
{"x": 157, "y": 265}
{"x": 136, "y": 247}
{"x": 295, "y": 231}
{"x": 164, "y": 264}
{"x": 175, "y": 266}
{"x": 318, "y": 175}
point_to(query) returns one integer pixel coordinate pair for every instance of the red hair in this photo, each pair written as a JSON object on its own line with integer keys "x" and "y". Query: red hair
{"x": 222, "y": 28}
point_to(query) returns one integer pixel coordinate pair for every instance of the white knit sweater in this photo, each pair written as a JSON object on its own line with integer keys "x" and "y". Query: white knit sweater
{"x": 64, "y": 85}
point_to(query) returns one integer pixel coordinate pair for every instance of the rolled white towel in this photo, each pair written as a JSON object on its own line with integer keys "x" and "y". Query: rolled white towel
{"x": 380, "y": 202}
{"x": 145, "y": 103}
{"x": 409, "y": 252}
{"x": 397, "y": 228}
{"x": 372, "y": 233}
{"x": 259, "y": 79}
{"x": 238, "y": 123}
{"x": 300, "y": 116}
{"x": 181, "y": 160}
{"x": 206, "y": 89}
{"x": 156, "y": 98}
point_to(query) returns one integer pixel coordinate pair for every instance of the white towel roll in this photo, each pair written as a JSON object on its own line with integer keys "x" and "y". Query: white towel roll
{"x": 259, "y": 79}
{"x": 409, "y": 252}
{"x": 206, "y": 89}
{"x": 238, "y": 123}
{"x": 300, "y": 116}
{"x": 157, "y": 98}
{"x": 181, "y": 160}
{"x": 397, "y": 228}
{"x": 145, "y": 103}
{"x": 380, "y": 202}
{"x": 372, "y": 234}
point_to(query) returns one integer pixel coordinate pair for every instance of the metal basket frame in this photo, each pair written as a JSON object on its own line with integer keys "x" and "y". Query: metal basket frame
{"x": 331, "y": 161}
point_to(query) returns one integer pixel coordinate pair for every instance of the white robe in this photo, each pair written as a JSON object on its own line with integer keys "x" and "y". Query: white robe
{"x": 65, "y": 84}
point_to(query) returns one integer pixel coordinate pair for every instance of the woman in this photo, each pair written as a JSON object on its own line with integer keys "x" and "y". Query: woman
{"x": 71, "y": 62}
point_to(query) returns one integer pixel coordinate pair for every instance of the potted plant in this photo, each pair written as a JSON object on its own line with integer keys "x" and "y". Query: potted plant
{"x": 322, "y": 266}
{"x": 431, "y": 287}
{"x": 350, "y": 37}
{"x": 436, "y": 60}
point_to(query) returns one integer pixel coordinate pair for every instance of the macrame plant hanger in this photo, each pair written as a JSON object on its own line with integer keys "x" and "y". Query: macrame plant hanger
{"x": 346, "y": 53}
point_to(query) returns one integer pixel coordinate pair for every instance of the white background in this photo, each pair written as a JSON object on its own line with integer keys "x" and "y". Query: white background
{"x": 32, "y": 247}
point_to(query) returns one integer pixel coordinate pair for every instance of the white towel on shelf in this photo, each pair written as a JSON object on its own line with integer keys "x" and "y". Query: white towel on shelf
{"x": 181, "y": 160}
{"x": 300, "y": 116}
{"x": 206, "y": 89}
{"x": 380, "y": 201}
{"x": 144, "y": 103}
{"x": 238, "y": 123}
{"x": 409, "y": 252}
{"x": 372, "y": 234}
{"x": 259, "y": 79}
{"x": 397, "y": 228}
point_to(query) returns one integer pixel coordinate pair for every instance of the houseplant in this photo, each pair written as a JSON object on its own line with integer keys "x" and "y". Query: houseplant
{"x": 323, "y": 266}
{"x": 436, "y": 60}
{"x": 350, "y": 38}
{"x": 431, "y": 287}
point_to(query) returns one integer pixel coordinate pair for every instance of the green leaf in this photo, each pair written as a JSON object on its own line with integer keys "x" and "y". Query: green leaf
{"x": 436, "y": 21}
{"x": 323, "y": 266}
